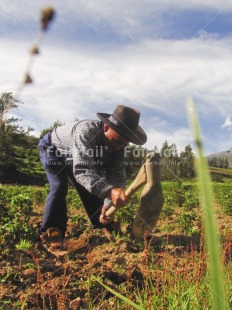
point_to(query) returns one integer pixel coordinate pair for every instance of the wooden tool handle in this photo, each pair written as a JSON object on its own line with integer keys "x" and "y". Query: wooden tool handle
{"x": 140, "y": 180}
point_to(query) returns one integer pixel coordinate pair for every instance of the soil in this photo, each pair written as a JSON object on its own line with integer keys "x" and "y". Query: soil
{"x": 38, "y": 279}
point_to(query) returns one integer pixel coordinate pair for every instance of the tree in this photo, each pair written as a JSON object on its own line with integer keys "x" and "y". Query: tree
{"x": 7, "y": 128}
{"x": 7, "y": 102}
{"x": 222, "y": 162}
{"x": 54, "y": 125}
{"x": 15, "y": 144}
{"x": 219, "y": 162}
{"x": 169, "y": 162}
{"x": 212, "y": 161}
{"x": 187, "y": 163}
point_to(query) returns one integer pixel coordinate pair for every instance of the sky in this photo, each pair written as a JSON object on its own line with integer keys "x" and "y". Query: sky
{"x": 147, "y": 54}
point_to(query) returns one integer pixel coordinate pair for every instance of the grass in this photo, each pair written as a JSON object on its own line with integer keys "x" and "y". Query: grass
{"x": 209, "y": 218}
{"x": 129, "y": 302}
{"x": 168, "y": 282}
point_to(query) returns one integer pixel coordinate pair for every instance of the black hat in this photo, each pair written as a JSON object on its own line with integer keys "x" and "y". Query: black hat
{"x": 125, "y": 121}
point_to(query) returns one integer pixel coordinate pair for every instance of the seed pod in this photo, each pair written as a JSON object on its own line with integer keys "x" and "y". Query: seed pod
{"x": 27, "y": 79}
{"x": 34, "y": 50}
{"x": 47, "y": 15}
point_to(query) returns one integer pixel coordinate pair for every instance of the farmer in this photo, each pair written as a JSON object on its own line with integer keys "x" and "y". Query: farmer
{"x": 90, "y": 153}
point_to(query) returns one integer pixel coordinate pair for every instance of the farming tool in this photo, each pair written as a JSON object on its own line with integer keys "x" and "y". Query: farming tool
{"x": 151, "y": 200}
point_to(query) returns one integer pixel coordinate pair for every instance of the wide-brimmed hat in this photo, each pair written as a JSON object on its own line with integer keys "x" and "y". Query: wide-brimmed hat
{"x": 125, "y": 121}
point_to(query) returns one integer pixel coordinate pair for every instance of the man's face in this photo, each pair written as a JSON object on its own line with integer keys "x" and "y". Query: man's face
{"x": 114, "y": 140}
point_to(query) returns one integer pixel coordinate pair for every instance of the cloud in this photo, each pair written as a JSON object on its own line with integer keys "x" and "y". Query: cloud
{"x": 123, "y": 20}
{"x": 228, "y": 122}
{"x": 154, "y": 76}
{"x": 181, "y": 137}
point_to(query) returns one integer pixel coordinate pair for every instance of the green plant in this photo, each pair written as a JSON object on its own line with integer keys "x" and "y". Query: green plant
{"x": 209, "y": 218}
{"x": 217, "y": 178}
{"x": 173, "y": 194}
{"x": 24, "y": 244}
{"x": 225, "y": 200}
{"x": 126, "y": 215}
{"x": 8, "y": 274}
{"x": 186, "y": 221}
{"x": 24, "y": 302}
{"x": 167, "y": 210}
{"x": 21, "y": 203}
{"x": 190, "y": 197}
{"x": 14, "y": 222}
{"x": 73, "y": 199}
{"x": 79, "y": 219}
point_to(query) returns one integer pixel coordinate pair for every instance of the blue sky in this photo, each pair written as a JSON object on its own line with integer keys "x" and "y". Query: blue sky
{"x": 148, "y": 54}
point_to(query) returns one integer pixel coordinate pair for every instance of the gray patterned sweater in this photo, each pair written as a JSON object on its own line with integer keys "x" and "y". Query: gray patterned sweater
{"x": 95, "y": 166}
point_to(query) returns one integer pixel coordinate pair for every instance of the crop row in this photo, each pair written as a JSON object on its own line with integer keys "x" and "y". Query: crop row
{"x": 18, "y": 202}
{"x": 186, "y": 196}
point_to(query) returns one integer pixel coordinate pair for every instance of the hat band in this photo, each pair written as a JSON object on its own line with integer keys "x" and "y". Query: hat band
{"x": 114, "y": 121}
{"x": 120, "y": 124}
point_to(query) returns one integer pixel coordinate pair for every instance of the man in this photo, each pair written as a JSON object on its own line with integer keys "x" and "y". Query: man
{"x": 90, "y": 153}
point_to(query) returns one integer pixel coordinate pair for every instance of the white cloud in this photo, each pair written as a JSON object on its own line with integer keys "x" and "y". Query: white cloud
{"x": 228, "y": 122}
{"x": 179, "y": 136}
{"x": 153, "y": 75}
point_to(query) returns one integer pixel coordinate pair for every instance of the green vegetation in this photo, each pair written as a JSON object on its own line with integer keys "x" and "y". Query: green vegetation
{"x": 15, "y": 215}
{"x": 19, "y": 160}
{"x": 24, "y": 244}
{"x": 212, "y": 237}
{"x": 218, "y": 162}
{"x": 220, "y": 174}
{"x": 168, "y": 271}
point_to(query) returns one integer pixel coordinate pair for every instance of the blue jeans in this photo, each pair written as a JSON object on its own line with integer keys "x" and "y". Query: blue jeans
{"x": 58, "y": 173}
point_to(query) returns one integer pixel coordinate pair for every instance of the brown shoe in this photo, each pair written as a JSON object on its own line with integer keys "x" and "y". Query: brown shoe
{"x": 52, "y": 238}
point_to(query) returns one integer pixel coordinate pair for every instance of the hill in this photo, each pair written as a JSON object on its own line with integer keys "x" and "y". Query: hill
{"x": 222, "y": 156}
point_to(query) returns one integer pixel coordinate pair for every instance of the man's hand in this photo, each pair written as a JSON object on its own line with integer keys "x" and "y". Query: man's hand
{"x": 106, "y": 219}
{"x": 118, "y": 197}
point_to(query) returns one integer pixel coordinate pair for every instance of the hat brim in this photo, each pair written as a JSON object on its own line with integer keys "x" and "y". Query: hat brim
{"x": 138, "y": 137}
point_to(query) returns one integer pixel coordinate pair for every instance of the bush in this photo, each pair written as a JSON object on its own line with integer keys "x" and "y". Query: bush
{"x": 217, "y": 178}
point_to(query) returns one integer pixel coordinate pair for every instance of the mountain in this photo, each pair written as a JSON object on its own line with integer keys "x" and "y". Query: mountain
{"x": 221, "y": 157}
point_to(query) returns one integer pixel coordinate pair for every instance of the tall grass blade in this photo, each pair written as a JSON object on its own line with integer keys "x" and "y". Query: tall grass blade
{"x": 209, "y": 218}
{"x": 131, "y": 303}
{"x": 24, "y": 302}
